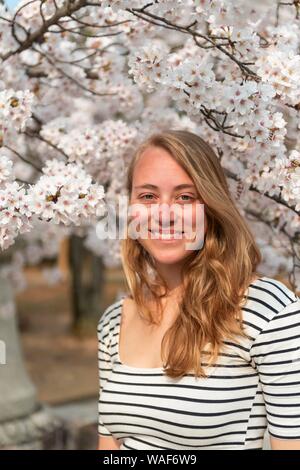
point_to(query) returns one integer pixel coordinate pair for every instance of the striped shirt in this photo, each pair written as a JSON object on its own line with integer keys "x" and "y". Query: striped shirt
{"x": 254, "y": 384}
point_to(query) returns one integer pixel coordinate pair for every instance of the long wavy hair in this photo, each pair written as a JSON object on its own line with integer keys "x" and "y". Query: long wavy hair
{"x": 215, "y": 278}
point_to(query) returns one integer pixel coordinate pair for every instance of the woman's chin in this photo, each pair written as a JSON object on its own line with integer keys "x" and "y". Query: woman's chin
{"x": 168, "y": 255}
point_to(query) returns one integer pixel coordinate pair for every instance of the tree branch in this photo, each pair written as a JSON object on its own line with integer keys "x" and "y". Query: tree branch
{"x": 67, "y": 9}
{"x": 274, "y": 198}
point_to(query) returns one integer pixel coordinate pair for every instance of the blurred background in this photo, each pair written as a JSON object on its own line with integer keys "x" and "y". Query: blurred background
{"x": 50, "y": 311}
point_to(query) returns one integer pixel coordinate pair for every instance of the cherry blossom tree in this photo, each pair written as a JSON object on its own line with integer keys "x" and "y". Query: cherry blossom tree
{"x": 82, "y": 82}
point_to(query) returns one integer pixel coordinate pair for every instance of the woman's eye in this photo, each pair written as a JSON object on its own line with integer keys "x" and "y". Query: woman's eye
{"x": 186, "y": 195}
{"x": 144, "y": 196}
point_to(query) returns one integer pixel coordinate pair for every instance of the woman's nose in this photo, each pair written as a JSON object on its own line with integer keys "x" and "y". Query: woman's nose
{"x": 163, "y": 214}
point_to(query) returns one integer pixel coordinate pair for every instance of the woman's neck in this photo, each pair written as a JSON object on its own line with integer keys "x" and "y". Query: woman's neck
{"x": 171, "y": 275}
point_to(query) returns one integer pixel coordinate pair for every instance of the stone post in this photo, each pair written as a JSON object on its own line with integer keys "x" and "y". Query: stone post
{"x": 25, "y": 423}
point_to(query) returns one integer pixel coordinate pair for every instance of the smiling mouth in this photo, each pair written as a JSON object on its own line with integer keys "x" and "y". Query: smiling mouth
{"x": 165, "y": 235}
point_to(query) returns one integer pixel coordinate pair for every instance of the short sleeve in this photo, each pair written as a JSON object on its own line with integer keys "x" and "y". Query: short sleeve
{"x": 275, "y": 354}
{"x": 104, "y": 369}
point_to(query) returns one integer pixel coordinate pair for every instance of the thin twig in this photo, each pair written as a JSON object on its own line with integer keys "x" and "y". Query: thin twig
{"x": 15, "y": 152}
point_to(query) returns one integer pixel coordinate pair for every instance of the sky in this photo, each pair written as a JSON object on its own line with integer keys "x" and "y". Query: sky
{"x": 11, "y": 3}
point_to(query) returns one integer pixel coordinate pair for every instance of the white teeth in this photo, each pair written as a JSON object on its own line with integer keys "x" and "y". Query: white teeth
{"x": 165, "y": 236}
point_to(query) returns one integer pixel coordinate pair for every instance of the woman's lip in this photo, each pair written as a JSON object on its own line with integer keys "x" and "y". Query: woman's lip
{"x": 167, "y": 237}
{"x": 165, "y": 231}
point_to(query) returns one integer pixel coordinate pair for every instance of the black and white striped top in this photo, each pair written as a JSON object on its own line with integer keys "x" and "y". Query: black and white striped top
{"x": 255, "y": 384}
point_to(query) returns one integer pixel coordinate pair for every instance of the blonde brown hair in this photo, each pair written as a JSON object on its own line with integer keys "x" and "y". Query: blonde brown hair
{"x": 215, "y": 277}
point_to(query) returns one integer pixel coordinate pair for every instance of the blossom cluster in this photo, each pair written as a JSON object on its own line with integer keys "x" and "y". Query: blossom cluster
{"x": 66, "y": 194}
{"x": 15, "y": 214}
{"x": 15, "y": 110}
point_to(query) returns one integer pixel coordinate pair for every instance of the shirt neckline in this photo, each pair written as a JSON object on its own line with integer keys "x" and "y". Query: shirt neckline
{"x": 121, "y": 363}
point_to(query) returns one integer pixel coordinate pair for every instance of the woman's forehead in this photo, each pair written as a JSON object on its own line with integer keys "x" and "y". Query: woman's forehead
{"x": 157, "y": 166}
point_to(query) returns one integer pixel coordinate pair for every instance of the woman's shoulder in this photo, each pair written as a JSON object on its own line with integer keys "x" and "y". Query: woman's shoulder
{"x": 110, "y": 317}
{"x": 273, "y": 288}
{"x": 266, "y": 298}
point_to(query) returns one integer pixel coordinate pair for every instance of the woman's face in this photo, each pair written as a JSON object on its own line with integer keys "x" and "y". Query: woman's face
{"x": 164, "y": 199}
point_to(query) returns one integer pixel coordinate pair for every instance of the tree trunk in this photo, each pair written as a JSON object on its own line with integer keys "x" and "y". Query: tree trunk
{"x": 87, "y": 280}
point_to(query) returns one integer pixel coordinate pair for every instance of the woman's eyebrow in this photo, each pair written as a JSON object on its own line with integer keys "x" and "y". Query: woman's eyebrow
{"x": 153, "y": 186}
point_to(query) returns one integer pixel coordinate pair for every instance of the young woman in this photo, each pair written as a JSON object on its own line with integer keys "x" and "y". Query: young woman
{"x": 204, "y": 353}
